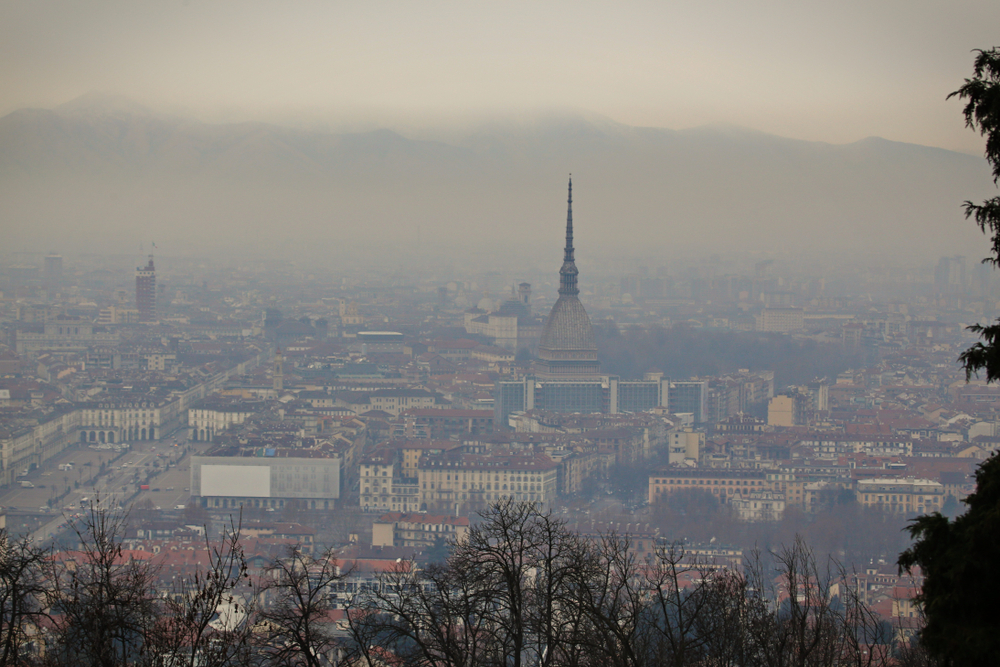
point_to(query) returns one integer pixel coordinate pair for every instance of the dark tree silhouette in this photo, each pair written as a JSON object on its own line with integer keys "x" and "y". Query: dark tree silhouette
{"x": 523, "y": 590}
{"x": 105, "y": 604}
{"x": 956, "y": 556}
{"x": 982, "y": 113}
{"x": 958, "y": 559}
{"x": 208, "y": 621}
{"x": 297, "y": 616}
{"x": 24, "y": 595}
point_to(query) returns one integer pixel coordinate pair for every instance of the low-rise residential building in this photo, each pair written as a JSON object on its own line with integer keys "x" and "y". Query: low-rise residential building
{"x": 442, "y": 423}
{"x": 684, "y": 444}
{"x": 759, "y": 506}
{"x": 383, "y": 491}
{"x": 417, "y": 529}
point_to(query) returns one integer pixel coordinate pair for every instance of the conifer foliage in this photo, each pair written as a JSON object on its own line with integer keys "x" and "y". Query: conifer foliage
{"x": 982, "y": 113}
{"x": 957, "y": 557}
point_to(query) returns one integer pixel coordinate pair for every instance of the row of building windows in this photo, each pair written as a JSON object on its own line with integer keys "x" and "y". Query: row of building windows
{"x": 710, "y": 482}
{"x": 489, "y": 486}
{"x": 899, "y": 498}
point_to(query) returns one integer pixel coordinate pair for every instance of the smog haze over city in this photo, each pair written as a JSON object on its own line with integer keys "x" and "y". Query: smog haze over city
{"x": 320, "y": 129}
{"x": 554, "y": 322}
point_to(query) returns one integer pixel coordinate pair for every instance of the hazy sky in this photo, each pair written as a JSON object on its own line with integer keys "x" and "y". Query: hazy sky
{"x": 826, "y": 71}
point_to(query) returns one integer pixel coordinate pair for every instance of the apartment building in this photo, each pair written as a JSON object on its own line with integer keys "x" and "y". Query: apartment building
{"x": 417, "y": 529}
{"x": 908, "y": 495}
{"x": 467, "y": 482}
{"x": 724, "y": 483}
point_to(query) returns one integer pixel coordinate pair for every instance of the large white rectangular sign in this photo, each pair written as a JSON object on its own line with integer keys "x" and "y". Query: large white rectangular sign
{"x": 239, "y": 481}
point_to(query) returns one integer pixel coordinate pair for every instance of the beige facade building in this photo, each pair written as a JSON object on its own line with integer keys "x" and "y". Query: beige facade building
{"x": 349, "y": 315}
{"x": 575, "y": 467}
{"x": 684, "y": 445}
{"x": 724, "y": 483}
{"x": 781, "y": 411}
{"x": 417, "y": 529}
{"x": 122, "y": 419}
{"x": 759, "y": 506}
{"x": 468, "y": 482}
{"x": 392, "y": 401}
{"x": 382, "y": 491}
{"x": 905, "y": 495}
{"x": 31, "y": 444}
{"x": 207, "y": 421}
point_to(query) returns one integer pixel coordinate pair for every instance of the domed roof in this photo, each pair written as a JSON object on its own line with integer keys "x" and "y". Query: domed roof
{"x": 568, "y": 328}
{"x": 514, "y": 307}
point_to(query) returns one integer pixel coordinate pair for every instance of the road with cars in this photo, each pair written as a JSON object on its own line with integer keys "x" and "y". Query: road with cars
{"x": 168, "y": 459}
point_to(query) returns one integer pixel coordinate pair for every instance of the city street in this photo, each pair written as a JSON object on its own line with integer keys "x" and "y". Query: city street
{"x": 166, "y": 464}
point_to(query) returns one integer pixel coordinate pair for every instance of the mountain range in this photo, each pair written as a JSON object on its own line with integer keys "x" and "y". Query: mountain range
{"x": 104, "y": 173}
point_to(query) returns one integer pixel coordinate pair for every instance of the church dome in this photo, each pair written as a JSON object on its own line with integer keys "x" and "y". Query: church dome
{"x": 567, "y": 329}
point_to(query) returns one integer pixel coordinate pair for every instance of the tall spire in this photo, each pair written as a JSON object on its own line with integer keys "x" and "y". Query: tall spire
{"x": 568, "y": 272}
{"x": 569, "y": 223}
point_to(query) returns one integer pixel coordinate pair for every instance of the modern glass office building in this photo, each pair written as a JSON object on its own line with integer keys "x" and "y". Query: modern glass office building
{"x": 604, "y": 394}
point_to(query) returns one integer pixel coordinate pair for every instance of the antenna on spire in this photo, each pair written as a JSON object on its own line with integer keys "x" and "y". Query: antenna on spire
{"x": 568, "y": 272}
{"x": 569, "y": 223}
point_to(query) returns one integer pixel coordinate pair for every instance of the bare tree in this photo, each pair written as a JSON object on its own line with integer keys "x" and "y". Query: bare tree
{"x": 297, "y": 609}
{"x": 24, "y": 593}
{"x": 438, "y": 617}
{"x": 555, "y": 617}
{"x": 501, "y": 547}
{"x": 682, "y": 598}
{"x": 813, "y": 617}
{"x": 105, "y": 600}
{"x": 866, "y": 639}
{"x": 529, "y": 563}
{"x": 207, "y": 620}
{"x": 616, "y": 604}
{"x": 523, "y": 590}
{"x": 509, "y": 594}
{"x": 666, "y": 609}
{"x": 723, "y": 623}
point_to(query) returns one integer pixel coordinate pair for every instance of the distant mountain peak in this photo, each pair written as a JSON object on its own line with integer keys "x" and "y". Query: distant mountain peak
{"x": 98, "y": 103}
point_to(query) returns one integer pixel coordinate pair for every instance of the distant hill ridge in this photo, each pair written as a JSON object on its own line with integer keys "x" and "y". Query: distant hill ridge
{"x": 109, "y": 163}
